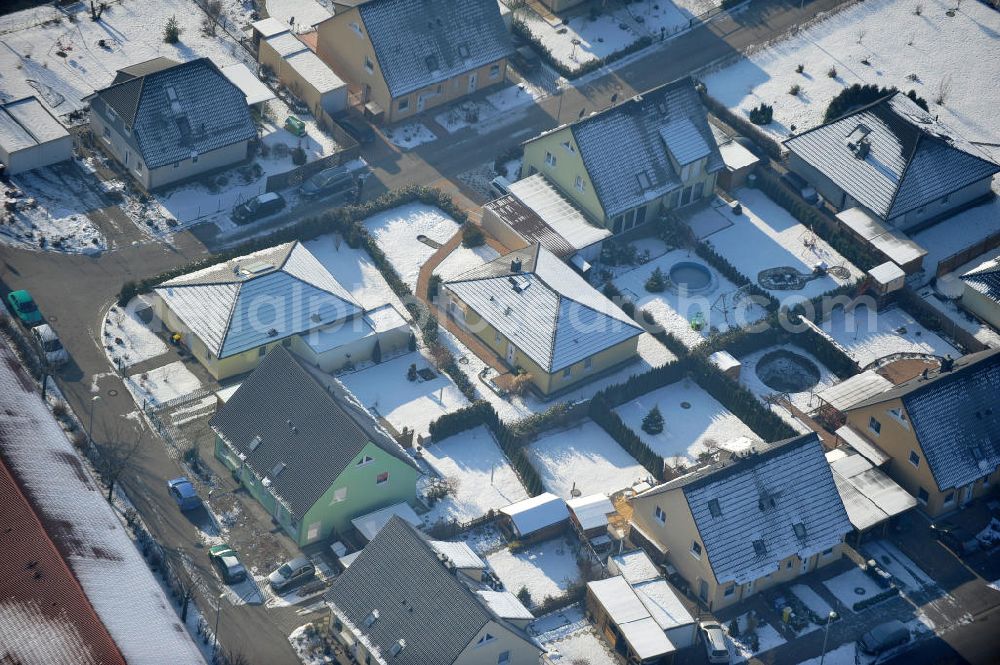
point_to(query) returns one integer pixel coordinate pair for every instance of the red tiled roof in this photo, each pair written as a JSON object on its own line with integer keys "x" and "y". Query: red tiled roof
{"x": 45, "y": 617}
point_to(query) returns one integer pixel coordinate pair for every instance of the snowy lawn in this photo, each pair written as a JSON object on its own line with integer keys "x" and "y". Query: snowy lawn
{"x": 965, "y": 229}
{"x": 478, "y": 473}
{"x": 398, "y": 233}
{"x": 802, "y": 400}
{"x": 687, "y": 432}
{"x": 409, "y": 135}
{"x": 354, "y": 270}
{"x": 463, "y": 259}
{"x": 740, "y": 651}
{"x": 852, "y": 587}
{"x": 868, "y": 335}
{"x": 812, "y": 600}
{"x": 494, "y": 110}
{"x": 959, "y": 316}
{"x": 584, "y": 457}
{"x": 160, "y": 385}
{"x": 777, "y": 240}
{"x": 902, "y": 567}
{"x": 385, "y": 390}
{"x": 128, "y": 340}
{"x": 546, "y": 569}
{"x": 63, "y": 194}
{"x": 925, "y": 53}
{"x": 674, "y": 311}
{"x": 570, "y": 639}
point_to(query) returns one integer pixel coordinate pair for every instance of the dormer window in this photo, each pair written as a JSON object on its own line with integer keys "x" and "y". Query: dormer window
{"x": 643, "y": 180}
{"x": 365, "y": 460}
{"x": 759, "y": 547}
{"x": 371, "y": 619}
{"x": 432, "y": 62}
{"x": 463, "y": 50}
{"x": 485, "y": 639}
{"x": 714, "y": 508}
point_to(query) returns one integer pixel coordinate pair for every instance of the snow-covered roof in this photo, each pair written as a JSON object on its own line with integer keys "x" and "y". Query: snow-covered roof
{"x": 422, "y": 42}
{"x": 858, "y": 442}
{"x": 459, "y": 553}
{"x": 269, "y": 26}
{"x": 544, "y": 308}
{"x": 529, "y": 225}
{"x": 114, "y": 576}
{"x": 892, "y": 156}
{"x": 536, "y": 513}
{"x": 887, "y": 273}
{"x": 855, "y": 389}
{"x": 258, "y": 299}
{"x": 663, "y": 604}
{"x": 314, "y": 71}
{"x": 369, "y": 525}
{"x": 244, "y": 79}
{"x": 25, "y": 123}
{"x": 557, "y": 212}
{"x": 896, "y": 246}
{"x": 736, "y": 157}
{"x": 285, "y": 44}
{"x": 631, "y": 616}
{"x": 591, "y": 511}
{"x": 985, "y": 278}
{"x": 505, "y": 605}
{"x": 870, "y": 496}
{"x": 635, "y": 566}
{"x": 724, "y": 360}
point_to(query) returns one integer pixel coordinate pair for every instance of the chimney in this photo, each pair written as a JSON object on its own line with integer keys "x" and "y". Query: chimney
{"x": 947, "y": 364}
{"x": 515, "y": 265}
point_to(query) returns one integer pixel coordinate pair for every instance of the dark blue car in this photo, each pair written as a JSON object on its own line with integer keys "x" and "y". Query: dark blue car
{"x": 184, "y": 493}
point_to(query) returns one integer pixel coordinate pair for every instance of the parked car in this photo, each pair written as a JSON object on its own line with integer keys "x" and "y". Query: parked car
{"x": 956, "y": 539}
{"x": 184, "y": 493}
{"x": 291, "y": 574}
{"x": 883, "y": 637}
{"x": 499, "y": 186}
{"x": 227, "y": 563}
{"x": 715, "y": 642}
{"x": 337, "y": 182}
{"x": 50, "y": 346}
{"x": 804, "y": 189}
{"x": 24, "y": 307}
{"x": 258, "y": 207}
{"x": 526, "y": 60}
{"x": 358, "y": 129}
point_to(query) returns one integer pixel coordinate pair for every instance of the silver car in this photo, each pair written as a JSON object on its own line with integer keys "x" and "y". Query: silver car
{"x": 291, "y": 574}
{"x": 49, "y": 344}
{"x": 715, "y": 642}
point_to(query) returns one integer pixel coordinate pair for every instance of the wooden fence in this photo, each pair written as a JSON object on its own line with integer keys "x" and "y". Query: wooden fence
{"x": 948, "y": 264}
{"x": 935, "y": 320}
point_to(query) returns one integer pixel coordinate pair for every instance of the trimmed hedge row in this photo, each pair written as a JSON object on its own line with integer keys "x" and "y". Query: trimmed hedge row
{"x": 729, "y": 271}
{"x": 742, "y": 125}
{"x": 476, "y": 414}
{"x": 602, "y": 414}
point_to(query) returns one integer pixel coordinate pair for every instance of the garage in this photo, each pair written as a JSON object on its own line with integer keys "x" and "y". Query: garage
{"x": 30, "y": 137}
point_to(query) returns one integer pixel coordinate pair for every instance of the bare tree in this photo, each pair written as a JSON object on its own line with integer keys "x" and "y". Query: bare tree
{"x": 96, "y": 11}
{"x": 860, "y": 34}
{"x": 116, "y": 456}
{"x": 214, "y": 10}
{"x": 943, "y": 91}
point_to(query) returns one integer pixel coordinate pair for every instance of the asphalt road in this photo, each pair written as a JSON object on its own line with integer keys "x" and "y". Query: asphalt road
{"x": 74, "y": 291}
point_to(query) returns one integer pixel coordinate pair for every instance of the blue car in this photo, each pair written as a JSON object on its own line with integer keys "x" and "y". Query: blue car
{"x": 184, "y": 494}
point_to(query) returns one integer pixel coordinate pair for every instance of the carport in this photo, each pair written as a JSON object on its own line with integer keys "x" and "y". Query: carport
{"x": 30, "y": 137}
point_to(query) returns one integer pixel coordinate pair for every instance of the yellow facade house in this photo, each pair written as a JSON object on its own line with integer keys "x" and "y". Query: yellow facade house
{"x": 941, "y": 431}
{"x": 749, "y": 522}
{"x": 626, "y": 164}
{"x": 402, "y": 57}
{"x": 543, "y": 318}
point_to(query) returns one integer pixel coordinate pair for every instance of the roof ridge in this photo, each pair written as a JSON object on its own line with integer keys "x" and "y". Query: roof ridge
{"x": 229, "y": 317}
{"x": 843, "y": 116}
{"x": 921, "y": 135}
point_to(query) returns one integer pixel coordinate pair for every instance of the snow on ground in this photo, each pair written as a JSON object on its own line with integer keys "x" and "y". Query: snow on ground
{"x": 546, "y": 569}
{"x": 95, "y": 544}
{"x": 570, "y": 639}
{"x": 305, "y": 13}
{"x": 674, "y": 311}
{"x": 868, "y": 335}
{"x": 396, "y": 232}
{"x": 611, "y": 31}
{"x": 127, "y": 339}
{"x": 740, "y": 651}
{"x": 960, "y": 317}
{"x": 845, "y": 654}
{"x": 958, "y": 52}
{"x": 777, "y": 240}
{"x": 493, "y": 111}
{"x": 965, "y": 229}
{"x": 687, "y": 432}
{"x": 354, "y": 270}
{"x": 852, "y": 586}
{"x": 409, "y": 135}
{"x": 463, "y": 259}
{"x": 812, "y": 600}
{"x": 385, "y": 390}
{"x": 802, "y": 400}
{"x": 160, "y": 385}
{"x": 584, "y": 457}
{"x": 904, "y": 569}
{"x": 478, "y": 473}
{"x": 56, "y": 221}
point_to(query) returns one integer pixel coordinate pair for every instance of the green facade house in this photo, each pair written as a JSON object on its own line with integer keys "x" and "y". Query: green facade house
{"x": 310, "y": 455}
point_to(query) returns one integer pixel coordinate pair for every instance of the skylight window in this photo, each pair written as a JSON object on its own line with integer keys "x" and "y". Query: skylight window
{"x": 255, "y": 442}
{"x": 759, "y": 547}
{"x": 278, "y": 468}
{"x": 398, "y": 647}
{"x": 643, "y": 180}
{"x": 463, "y": 50}
{"x": 371, "y": 619}
{"x": 800, "y": 530}
{"x": 432, "y": 62}
{"x": 714, "y": 508}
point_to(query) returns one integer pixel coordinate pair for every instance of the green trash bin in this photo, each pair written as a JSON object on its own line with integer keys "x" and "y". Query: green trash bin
{"x": 295, "y": 126}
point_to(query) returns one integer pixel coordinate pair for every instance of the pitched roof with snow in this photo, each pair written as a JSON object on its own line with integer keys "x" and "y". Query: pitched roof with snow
{"x": 634, "y": 565}
{"x": 634, "y": 152}
{"x": 258, "y": 299}
{"x": 985, "y": 278}
{"x": 545, "y": 308}
{"x": 591, "y": 511}
{"x": 536, "y": 513}
{"x": 301, "y": 460}
{"x": 955, "y": 417}
{"x": 632, "y": 616}
{"x": 85, "y": 529}
{"x": 180, "y": 110}
{"x": 529, "y": 225}
{"x": 754, "y": 511}
{"x": 418, "y": 600}
{"x": 459, "y": 554}
{"x": 870, "y": 496}
{"x": 26, "y": 123}
{"x": 557, "y": 213}
{"x": 422, "y": 42}
{"x": 892, "y": 156}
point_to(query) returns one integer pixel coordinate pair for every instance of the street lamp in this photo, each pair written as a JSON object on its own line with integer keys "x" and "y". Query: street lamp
{"x": 215, "y": 633}
{"x": 826, "y": 633}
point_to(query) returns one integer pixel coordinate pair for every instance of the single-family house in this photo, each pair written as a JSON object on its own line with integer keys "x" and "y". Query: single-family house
{"x": 400, "y": 603}
{"x": 534, "y": 519}
{"x": 748, "y": 522}
{"x": 311, "y": 456}
{"x": 981, "y": 294}
{"x": 402, "y": 57}
{"x": 625, "y": 164}
{"x": 30, "y": 137}
{"x": 230, "y": 314}
{"x": 894, "y": 160}
{"x": 941, "y": 431}
{"x": 164, "y": 122}
{"x": 538, "y": 314}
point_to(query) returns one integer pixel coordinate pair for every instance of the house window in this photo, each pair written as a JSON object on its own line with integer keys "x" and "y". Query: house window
{"x": 788, "y": 564}
{"x": 138, "y": 166}
{"x": 365, "y": 460}
{"x": 404, "y": 104}
{"x": 496, "y": 337}
{"x": 107, "y": 134}
{"x": 800, "y": 530}
{"x": 714, "y": 508}
{"x": 699, "y": 189}
{"x": 923, "y": 496}
{"x": 589, "y": 362}
{"x": 382, "y": 478}
{"x": 629, "y": 219}
{"x": 640, "y": 216}
{"x": 685, "y": 172}
{"x": 261, "y": 351}
{"x": 578, "y": 184}
{"x": 685, "y": 196}
{"x": 568, "y": 372}
{"x": 759, "y": 547}
{"x": 177, "y": 165}
{"x": 287, "y": 342}
{"x": 194, "y": 158}
{"x": 550, "y": 159}
{"x": 494, "y": 71}
{"x": 312, "y": 533}
{"x": 672, "y": 200}
{"x": 729, "y": 590}
{"x": 369, "y": 65}
{"x": 568, "y": 147}
{"x": 949, "y": 498}
{"x": 660, "y": 515}
{"x": 874, "y": 425}
{"x": 616, "y": 224}
{"x": 503, "y": 658}
{"x": 827, "y": 552}
{"x": 695, "y": 549}
{"x": 356, "y": 28}
{"x": 485, "y": 639}
{"x": 914, "y": 458}
{"x": 339, "y": 494}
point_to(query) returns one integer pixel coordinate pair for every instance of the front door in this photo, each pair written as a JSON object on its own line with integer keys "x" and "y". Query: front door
{"x": 703, "y": 590}
{"x": 510, "y": 353}
{"x": 472, "y": 82}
